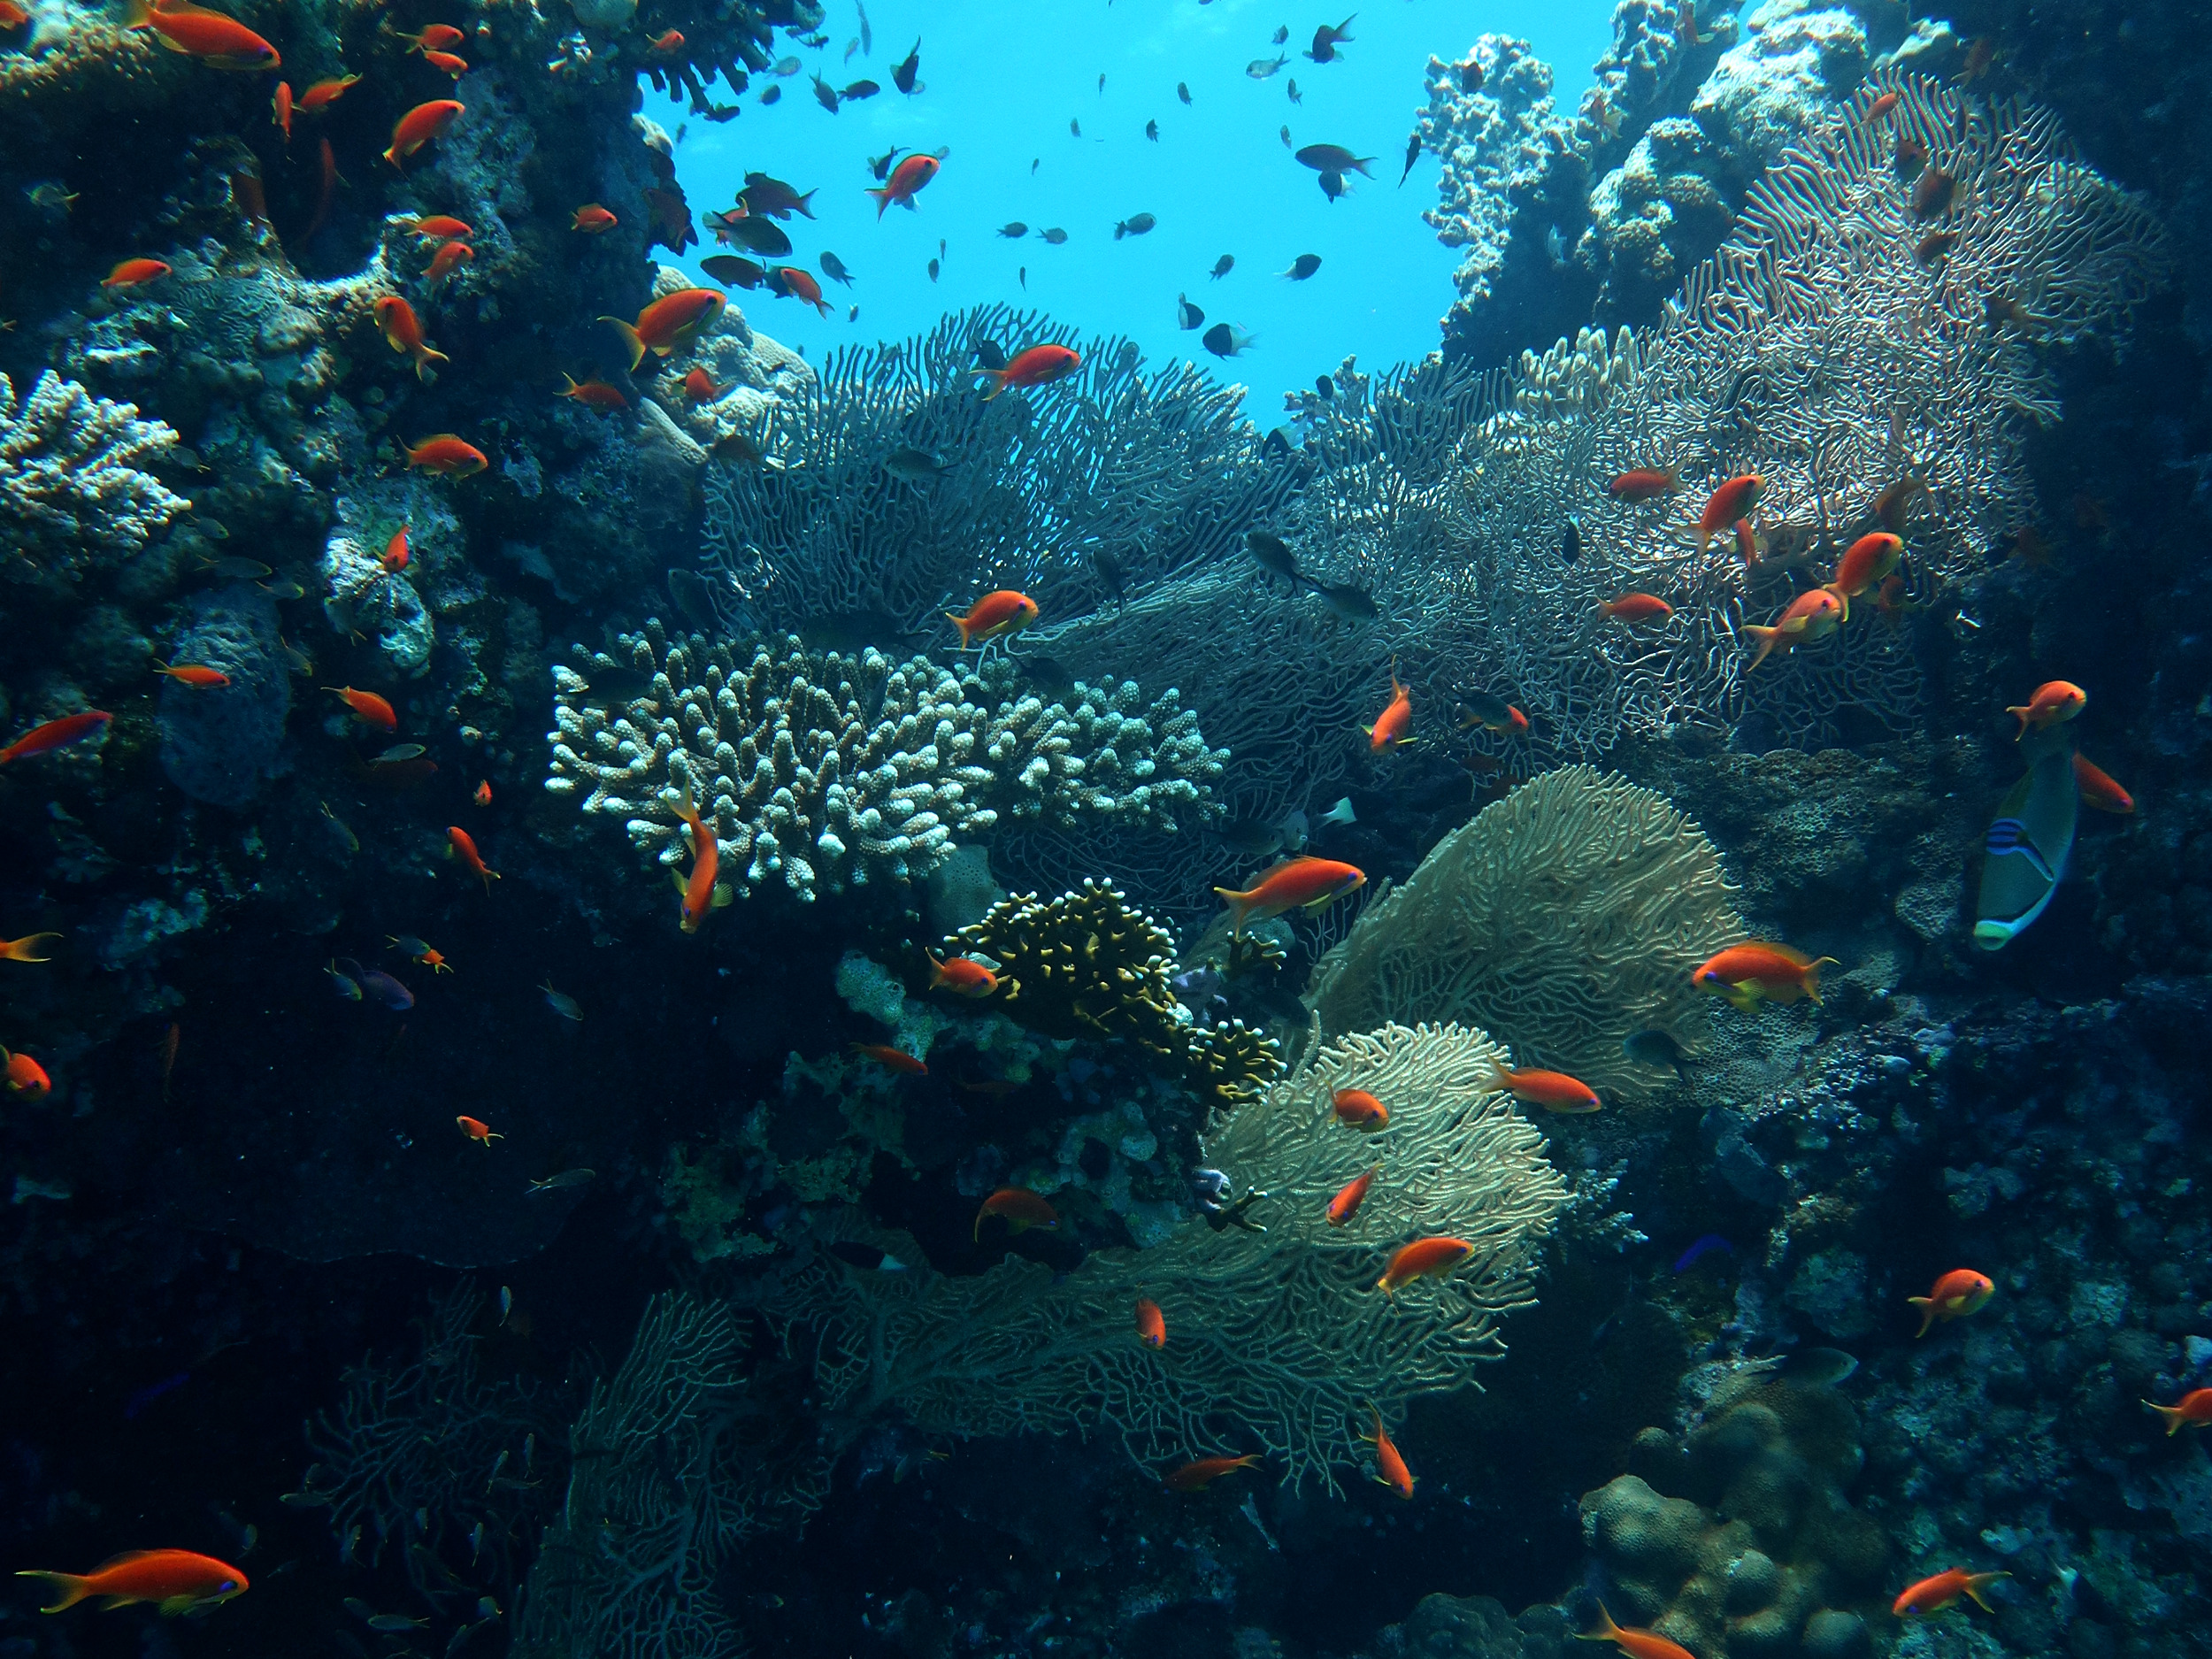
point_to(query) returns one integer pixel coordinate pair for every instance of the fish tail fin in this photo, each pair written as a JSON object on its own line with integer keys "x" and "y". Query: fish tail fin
{"x": 1843, "y": 598}
{"x": 1241, "y": 903}
{"x": 999, "y": 375}
{"x": 74, "y": 1588}
{"x": 1766, "y": 638}
{"x": 1926, "y": 1304}
{"x": 1976, "y": 1582}
{"x": 1812, "y": 976}
{"x": 425, "y": 355}
{"x": 2172, "y": 1414}
{"x": 20, "y": 950}
{"x": 1607, "y": 1629}
{"x": 629, "y": 339}
{"x": 2022, "y": 713}
{"x": 961, "y": 622}
{"x": 138, "y": 14}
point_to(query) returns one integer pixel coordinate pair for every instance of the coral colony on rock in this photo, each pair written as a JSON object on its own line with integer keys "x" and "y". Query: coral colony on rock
{"x": 660, "y": 999}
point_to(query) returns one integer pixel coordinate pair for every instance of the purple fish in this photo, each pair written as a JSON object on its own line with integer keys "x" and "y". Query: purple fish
{"x": 379, "y": 987}
{"x": 1704, "y": 1247}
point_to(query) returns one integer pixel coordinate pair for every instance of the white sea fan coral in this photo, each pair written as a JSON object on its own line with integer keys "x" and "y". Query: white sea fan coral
{"x": 71, "y": 478}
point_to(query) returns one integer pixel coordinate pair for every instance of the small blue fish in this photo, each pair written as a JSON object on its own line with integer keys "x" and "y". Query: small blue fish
{"x": 1704, "y": 1247}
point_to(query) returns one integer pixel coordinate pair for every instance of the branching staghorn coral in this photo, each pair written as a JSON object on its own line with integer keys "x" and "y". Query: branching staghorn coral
{"x": 1564, "y": 917}
{"x": 1278, "y": 1341}
{"x": 71, "y": 486}
{"x": 1153, "y": 470}
{"x": 832, "y": 771}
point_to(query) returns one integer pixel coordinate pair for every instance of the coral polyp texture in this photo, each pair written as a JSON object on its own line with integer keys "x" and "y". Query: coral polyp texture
{"x": 1278, "y": 1342}
{"x": 1564, "y": 917}
{"x": 827, "y": 771}
{"x": 887, "y": 484}
{"x": 72, "y": 480}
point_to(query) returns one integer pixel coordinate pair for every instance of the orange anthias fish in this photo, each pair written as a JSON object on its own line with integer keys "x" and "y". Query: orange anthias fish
{"x": 667, "y": 45}
{"x": 1864, "y": 563}
{"x": 1932, "y": 1596}
{"x": 449, "y": 258}
{"x": 907, "y": 178}
{"x": 1356, "y": 1109}
{"x": 2098, "y": 790}
{"x": 2054, "y": 701}
{"x": 176, "y": 1580}
{"x": 1312, "y": 884}
{"x": 219, "y": 41}
{"x": 1644, "y": 483}
{"x": 994, "y": 616}
{"x": 800, "y": 285}
{"x": 594, "y": 393}
{"x": 281, "y": 109}
{"x": 1958, "y": 1292}
{"x": 402, "y": 329}
{"x": 962, "y": 976}
{"x": 1020, "y": 1209}
{"x": 1636, "y": 608}
{"x": 419, "y": 126}
{"x": 1349, "y": 1197}
{"x": 592, "y": 219}
{"x": 1880, "y": 107}
{"x": 395, "y": 554}
{"x": 1040, "y": 366}
{"x": 134, "y": 272}
{"x": 477, "y": 1130}
{"x": 453, "y": 66}
{"x": 1638, "y": 1644}
{"x": 1151, "y": 1322}
{"x": 1395, "y": 724}
{"x": 1390, "y": 1468}
{"x": 1745, "y": 974}
{"x": 368, "y": 707}
{"x": 462, "y": 845}
{"x": 672, "y": 321}
{"x": 706, "y": 861}
{"x": 447, "y": 455}
{"x": 1196, "y": 1477}
{"x": 1813, "y": 615}
{"x": 2194, "y": 1409}
{"x": 199, "y": 676}
{"x": 20, "y": 950}
{"x": 1731, "y": 501}
{"x": 13, "y": 16}
{"x": 892, "y": 1059}
{"x": 1424, "y": 1258}
{"x": 483, "y": 796}
{"x": 1553, "y": 1091}
{"x": 323, "y": 93}
{"x": 26, "y": 1078}
{"x": 435, "y": 37}
{"x": 699, "y": 388}
{"x": 441, "y": 228}
{"x": 43, "y": 739}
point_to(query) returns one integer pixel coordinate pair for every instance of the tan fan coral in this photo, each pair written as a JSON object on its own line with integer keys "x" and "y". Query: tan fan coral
{"x": 1278, "y": 1341}
{"x": 1563, "y": 918}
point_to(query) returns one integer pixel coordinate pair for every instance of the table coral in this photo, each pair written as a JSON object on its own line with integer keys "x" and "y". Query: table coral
{"x": 72, "y": 483}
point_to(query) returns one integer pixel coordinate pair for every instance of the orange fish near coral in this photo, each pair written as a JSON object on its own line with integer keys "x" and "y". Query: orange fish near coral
{"x": 794, "y": 283}
{"x": 368, "y": 707}
{"x": 219, "y": 41}
{"x": 43, "y": 739}
{"x": 592, "y": 220}
{"x": 2054, "y": 702}
{"x": 419, "y": 126}
{"x": 1312, "y": 884}
{"x": 2193, "y": 1410}
{"x": 700, "y": 895}
{"x": 176, "y": 1580}
{"x": 435, "y": 37}
{"x": 595, "y": 394}
{"x": 1349, "y": 1197}
{"x": 1020, "y": 1208}
{"x": 395, "y": 554}
{"x": 323, "y": 93}
{"x": 1880, "y": 107}
{"x": 483, "y": 796}
{"x": 1636, "y": 608}
{"x": 449, "y": 258}
{"x": 447, "y": 456}
{"x": 1151, "y": 1322}
{"x": 1395, "y": 724}
{"x": 441, "y": 228}
{"x": 1196, "y": 1477}
{"x": 1932, "y": 1596}
{"x": 667, "y": 45}
{"x": 26, "y": 1078}
{"x": 453, "y": 66}
{"x": 1040, "y": 366}
{"x": 699, "y": 388}
{"x": 1390, "y": 1468}
{"x": 1424, "y": 1258}
{"x": 402, "y": 329}
{"x": 907, "y": 178}
{"x": 462, "y": 845}
{"x": 20, "y": 950}
{"x": 477, "y": 1130}
{"x": 1958, "y": 1292}
{"x": 1643, "y": 483}
{"x": 1638, "y": 1644}
{"x": 281, "y": 109}
{"x": 1731, "y": 501}
{"x": 2098, "y": 790}
{"x": 1813, "y": 615}
{"x": 961, "y": 976}
{"x": 1553, "y": 1091}
{"x": 135, "y": 274}
{"x": 672, "y": 321}
{"x": 1356, "y": 1109}
{"x": 892, "y": 1059}
{"x": 994, "y": 616}
{"x": 199, "y": 676}
{"x": 1748, "y": 973}
{"x": 1864, "y": 563}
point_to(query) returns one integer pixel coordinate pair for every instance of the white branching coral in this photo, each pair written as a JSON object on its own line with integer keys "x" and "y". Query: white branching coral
{"x": 1278, "y": 1341}
{"x": 828, "y": 772}
{"x": 72, "y": 483}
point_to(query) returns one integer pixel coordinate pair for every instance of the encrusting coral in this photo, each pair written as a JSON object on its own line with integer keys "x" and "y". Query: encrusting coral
{"x": 1086, "y": 964}
{"x": 72, "y": 483}
{"x": 831, "y": 770}
{"x": 1278, "y": 1341}
{"x": 1563, "y": 918}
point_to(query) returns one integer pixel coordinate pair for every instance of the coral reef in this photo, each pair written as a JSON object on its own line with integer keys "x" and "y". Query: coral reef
{"x": 219, "y": 746}
{"x": 1563, "y": 918}
{"x": 74, "y": 486}
{"x": 1277, "y": 1341}
{"x": 830, "y": 771}
{"x": 1085, "y": 964}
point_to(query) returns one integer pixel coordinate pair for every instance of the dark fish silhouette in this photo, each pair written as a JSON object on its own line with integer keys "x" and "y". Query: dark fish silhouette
{"x": 1470, "y": 76}
{"x": 990, "y": 354}
{"x": 1413, "y": 154}
{"x": 833, "y": 268}
{"x": 933, "y": 268}
{"x": 1152, "y": 131}
{"x": 1225, "y": 339}
{"x": 825, "y": 94}
{"x": 733, "y": 273}
{"x": 1223, "y": 266}
{"x": 773, "y": 96}
{"x": 1262, "y": 68}
{"x": 1326, "y": 40}
{"x": 1135, "y": 225}
{"x": 1055, "y": 236}
{"x": 1334, "y": 158}
{"x": 1324, "y": 385}
{"x": 881, "y": 165}
{"x": 773, "y": 197}
{"x": 1303, "y": 266}
{"x": 1296, "y": 95}
{"x": 757, "y": 235}
{"x": 1272, "y": 554}
{"x": 1282, "y": 34}
{"x": 902, "y": 73}
{"x": 1570, "y": 551}
{"x": 1333, "y": 185}
{"x": 860, "y": 90}
{"x": 1013, "y": 229}
{"x": 1187, "y": 315}
{"x": 1182, "y": 90}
